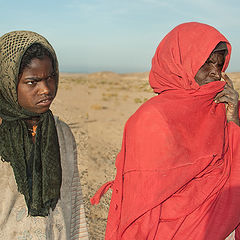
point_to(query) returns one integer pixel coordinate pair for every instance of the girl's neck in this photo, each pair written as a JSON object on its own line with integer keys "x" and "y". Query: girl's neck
{"x": 32, "y": 121}
{"x": 32, "y": 126}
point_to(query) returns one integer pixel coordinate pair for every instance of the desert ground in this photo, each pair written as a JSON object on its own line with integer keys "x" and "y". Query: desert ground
{"x": 96, "y": 107}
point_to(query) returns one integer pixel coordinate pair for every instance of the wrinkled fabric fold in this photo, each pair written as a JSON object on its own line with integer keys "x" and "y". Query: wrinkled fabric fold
{"x": 178, "y": 170}
{"x": 101, "y": 191}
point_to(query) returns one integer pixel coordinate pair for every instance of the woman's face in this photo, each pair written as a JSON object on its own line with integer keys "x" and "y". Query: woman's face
{"x": 211, "y": 69}
{"x": 37, "y": 85}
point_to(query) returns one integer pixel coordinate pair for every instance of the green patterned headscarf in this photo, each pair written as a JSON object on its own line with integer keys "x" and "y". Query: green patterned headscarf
{"x": 36, "y": 166}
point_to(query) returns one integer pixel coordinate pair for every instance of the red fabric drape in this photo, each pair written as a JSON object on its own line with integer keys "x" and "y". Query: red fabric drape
{"x": 178, "y": 171}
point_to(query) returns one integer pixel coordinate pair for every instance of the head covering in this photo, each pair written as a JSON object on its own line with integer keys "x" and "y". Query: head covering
{"x": 180, "y": 55}
{"x": 222, "y": 46}
{"x": 36, "y": 166}
{"x": 176, "y": 155}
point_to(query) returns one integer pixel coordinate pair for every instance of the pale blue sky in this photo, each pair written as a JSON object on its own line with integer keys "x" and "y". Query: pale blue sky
{"x": 116, "y": 35}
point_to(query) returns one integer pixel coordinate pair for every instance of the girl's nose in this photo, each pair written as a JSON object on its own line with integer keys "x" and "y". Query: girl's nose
{"x": 44, "y": 88}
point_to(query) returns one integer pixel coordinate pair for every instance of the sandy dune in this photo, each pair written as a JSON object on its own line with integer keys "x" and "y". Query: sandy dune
{"x": 96, "y": 106}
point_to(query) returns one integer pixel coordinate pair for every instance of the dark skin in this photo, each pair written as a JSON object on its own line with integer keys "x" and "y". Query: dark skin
{"x": 36, "y": 88}
{"x": 211, "y": 71}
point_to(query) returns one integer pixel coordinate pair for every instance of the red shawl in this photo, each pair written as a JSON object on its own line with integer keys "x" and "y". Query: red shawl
{"x": 178, "y": 172}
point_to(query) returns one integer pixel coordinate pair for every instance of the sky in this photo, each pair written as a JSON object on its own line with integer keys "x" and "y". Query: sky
{"x": 116, "y": 35}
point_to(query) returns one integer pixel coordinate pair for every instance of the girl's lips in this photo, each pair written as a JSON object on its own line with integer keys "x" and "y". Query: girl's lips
{"x": 45, "y": 102}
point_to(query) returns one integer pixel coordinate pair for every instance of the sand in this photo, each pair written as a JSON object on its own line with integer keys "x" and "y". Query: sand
{"x": 96, "y": 107}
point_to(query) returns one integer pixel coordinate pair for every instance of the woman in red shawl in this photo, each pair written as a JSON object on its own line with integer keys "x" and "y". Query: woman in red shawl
{"x": 178, "y": 172}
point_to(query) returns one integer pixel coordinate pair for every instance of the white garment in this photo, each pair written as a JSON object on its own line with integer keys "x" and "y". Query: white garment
{"x": 66, "y": 222}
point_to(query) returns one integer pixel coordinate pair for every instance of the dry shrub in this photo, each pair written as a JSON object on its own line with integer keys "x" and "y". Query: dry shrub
{"x": 97, "y": 107}
{"x": 138, "y": 100}
{"x": 91, "y": 86}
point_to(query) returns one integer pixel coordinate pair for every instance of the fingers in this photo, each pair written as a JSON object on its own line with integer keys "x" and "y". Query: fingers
{"x": 225, "y": 99}
{"x": 227, "y": 79}
{"x": 226, "y": 91}
{"x": 228, "y": 95}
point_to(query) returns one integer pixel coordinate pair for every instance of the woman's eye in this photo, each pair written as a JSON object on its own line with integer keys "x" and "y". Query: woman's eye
{"x": 209, "y": 61}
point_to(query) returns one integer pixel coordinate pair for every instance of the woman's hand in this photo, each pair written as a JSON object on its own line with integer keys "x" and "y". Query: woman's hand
{"x": 229, "y": 96}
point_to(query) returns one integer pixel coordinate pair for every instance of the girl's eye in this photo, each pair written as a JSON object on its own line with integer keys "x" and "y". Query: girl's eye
{"x": 30, "y": 82}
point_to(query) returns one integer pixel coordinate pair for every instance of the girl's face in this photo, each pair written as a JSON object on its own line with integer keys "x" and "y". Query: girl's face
{"x": 37, "y": 86}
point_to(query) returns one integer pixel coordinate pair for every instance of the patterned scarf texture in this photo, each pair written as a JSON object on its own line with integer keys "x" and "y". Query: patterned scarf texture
{"x": 36, "y": 166}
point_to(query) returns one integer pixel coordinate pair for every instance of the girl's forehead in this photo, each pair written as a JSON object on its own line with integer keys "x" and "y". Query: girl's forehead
{"x": 13, "y": 45}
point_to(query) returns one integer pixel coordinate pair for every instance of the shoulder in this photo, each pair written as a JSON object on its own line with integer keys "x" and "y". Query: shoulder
{"x": 66, "y": 138}
{"x": 147, "y": 114}
{"x": 68, "y": 148}
{"x": 61, "y": 125}
{"x": 63, "y": 130}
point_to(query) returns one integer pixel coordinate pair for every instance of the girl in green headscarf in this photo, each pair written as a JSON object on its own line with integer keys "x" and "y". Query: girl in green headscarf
{"x": 33, "y": 177}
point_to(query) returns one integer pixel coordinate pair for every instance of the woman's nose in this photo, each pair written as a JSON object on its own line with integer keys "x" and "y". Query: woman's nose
{"x": 215, "y": 73}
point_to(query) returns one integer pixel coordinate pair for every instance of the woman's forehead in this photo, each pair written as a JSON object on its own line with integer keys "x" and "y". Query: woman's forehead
{"x": 221, "y": 46}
